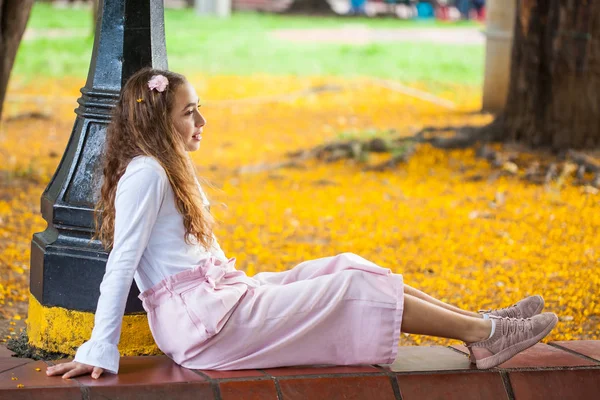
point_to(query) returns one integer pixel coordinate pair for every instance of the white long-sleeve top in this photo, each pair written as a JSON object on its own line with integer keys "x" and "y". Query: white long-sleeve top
{"x": 148, "y": 246}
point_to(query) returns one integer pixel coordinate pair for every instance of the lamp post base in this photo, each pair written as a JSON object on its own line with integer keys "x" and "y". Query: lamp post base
{"x": 57, "y": 329}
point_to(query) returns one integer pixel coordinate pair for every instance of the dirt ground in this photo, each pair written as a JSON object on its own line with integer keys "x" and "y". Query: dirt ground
{"x": 9, "y": 327}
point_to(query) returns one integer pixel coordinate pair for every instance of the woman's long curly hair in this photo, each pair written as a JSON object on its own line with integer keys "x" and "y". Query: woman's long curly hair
{"x": 141, "y": 125}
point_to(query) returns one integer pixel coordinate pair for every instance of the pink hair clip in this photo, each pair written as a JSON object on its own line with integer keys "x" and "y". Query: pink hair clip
{"x": 158, "y": 82}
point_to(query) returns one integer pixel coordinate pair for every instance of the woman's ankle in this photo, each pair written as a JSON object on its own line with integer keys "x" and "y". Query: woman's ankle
{"x": 482, "y": 330}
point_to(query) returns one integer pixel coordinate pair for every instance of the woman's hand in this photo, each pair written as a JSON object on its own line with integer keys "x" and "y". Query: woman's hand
{"x": 73, "y": 369}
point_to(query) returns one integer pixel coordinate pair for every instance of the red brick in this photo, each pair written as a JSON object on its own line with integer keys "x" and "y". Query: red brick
{"x": 155, "y": 370}
{"x": 334, "y": 388}
{"x": 36, "y": 384}
{"x": 248, "y": 390}
{"x": 242, "y": 373}
{"x": 7, "y": 363}
{"x": 4, "y": 352}
{"x": 564, "y": 384}
{"x": 542, "y": 355}
{"x": 148, "y": 378}
{"x": 321, "y": 370}
{"x": 54, "y": 393}
{"x": 589, "y": 348}
{"x": 162, "y": 391}
{"x": 448, "y": 386}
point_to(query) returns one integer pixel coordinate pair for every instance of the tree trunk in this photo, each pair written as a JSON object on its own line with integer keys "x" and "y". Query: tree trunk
{"x": 320, "y": 7}
{"x": 13, "y": 19}
{"x": 554, "y": 94}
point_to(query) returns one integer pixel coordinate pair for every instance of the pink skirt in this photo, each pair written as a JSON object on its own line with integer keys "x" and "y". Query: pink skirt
{"x": 338, "y": 310}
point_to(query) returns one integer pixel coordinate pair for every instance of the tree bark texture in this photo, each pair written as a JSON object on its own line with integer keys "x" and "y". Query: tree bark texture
{"x": 13, "y": 19}
{"x": 554, "y": 94}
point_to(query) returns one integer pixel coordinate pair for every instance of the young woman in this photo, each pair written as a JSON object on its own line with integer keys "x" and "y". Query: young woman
{"x": 204, "y": 313}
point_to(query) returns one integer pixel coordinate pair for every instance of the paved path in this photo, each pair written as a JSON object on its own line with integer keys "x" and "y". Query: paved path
{"x": 360, "y": 34}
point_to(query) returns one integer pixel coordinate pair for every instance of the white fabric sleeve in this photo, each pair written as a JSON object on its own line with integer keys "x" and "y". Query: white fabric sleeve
{"x": 140, "y": 193}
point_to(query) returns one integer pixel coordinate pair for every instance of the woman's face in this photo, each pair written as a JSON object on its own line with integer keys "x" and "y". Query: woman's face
{"x": 186, "y": 116}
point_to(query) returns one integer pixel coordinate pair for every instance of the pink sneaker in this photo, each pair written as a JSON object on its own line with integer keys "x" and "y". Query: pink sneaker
{"x": 526, "y": 308}
{"x": 512, "y": 335}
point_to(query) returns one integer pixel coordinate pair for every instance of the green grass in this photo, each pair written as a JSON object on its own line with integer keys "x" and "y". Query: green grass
{"x": 44, "y": 16}
{"x": 241, "y": 45}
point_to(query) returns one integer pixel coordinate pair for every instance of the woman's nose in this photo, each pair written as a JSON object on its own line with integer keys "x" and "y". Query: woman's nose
{"x": 200, "y": 120}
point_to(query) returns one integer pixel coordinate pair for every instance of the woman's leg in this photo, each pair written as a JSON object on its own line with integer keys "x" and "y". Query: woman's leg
{"x": 425, "y": 318}
{"x": 424, "y": 296}
{"x": 487, "y": 349}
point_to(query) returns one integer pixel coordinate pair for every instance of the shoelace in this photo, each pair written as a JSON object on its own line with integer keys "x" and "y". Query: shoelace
{"x": 512, "y": 311}
{"x": 513, "y": 326}
{"x": 519, "y": 325}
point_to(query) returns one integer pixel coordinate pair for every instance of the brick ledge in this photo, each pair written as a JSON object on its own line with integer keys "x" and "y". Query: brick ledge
{"x": 546, "y": 371}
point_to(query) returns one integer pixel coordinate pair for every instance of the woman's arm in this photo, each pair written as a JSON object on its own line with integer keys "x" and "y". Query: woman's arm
{"x": 140, "y": 193}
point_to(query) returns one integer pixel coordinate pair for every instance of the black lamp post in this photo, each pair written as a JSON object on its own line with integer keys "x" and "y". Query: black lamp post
{"x": 66, "y": 268}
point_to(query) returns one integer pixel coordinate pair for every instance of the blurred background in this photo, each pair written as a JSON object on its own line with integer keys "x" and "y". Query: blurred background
{"x": 439, "y": 44}
{"x": 280, "y": 79}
